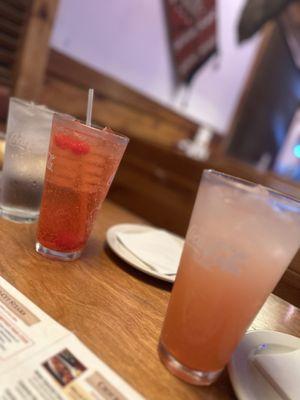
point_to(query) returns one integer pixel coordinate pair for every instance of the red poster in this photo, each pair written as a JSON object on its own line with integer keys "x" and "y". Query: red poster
{"x": 192, "y": 31}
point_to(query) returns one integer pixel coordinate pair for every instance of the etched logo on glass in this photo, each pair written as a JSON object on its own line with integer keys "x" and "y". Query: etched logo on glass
{"x": 215, "y": 252}
{"x": 18, "y": 141}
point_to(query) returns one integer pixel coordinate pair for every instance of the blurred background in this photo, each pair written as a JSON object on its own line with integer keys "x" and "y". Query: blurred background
{"x": 195, "y": 84}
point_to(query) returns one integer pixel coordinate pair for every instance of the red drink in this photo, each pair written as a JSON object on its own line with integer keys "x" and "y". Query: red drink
{"x": 82, "y": 162}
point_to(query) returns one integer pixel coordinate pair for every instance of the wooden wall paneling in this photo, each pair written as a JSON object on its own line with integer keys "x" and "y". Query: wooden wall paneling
{"x": 7, "y": 57}
{"x": 4, "y": 98}
{"x": 157, "y": 184}
{"x": 162, "y": 205}
{"x": 18, "y": 4}
{"x": 82, "y": 76}
{"x": 11, "y": 13}
{"x": 160, "y": 167}
{"x": 32, "y": 58}
{"x": 67, "y": 72}
{"x": 5, "y": 76}
{"x": 66, "y": 97}
{"x": 8, "y": 42}
{"x": 9, "y": 28}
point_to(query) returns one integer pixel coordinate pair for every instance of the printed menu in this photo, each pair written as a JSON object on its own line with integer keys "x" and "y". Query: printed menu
{"x": 40, "y": 359}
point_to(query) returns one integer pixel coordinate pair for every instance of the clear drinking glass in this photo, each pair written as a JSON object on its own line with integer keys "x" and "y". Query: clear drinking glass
{"x": 82, "y": 162}
{"x": 27, "y": 142}
{"x": 240, "y": 240}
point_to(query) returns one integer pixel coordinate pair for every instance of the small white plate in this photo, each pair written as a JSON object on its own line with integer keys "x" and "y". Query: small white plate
{"x": 247, "y": 381}
{"x": 115, "y": 244}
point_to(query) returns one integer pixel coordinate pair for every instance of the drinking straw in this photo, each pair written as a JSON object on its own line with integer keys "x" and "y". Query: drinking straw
{"x": 89, "y": 107}
{"x": 84, "y": 197}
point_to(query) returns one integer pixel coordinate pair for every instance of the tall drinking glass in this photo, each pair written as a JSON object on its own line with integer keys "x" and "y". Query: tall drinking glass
{"x": 82, "y": 162}
{"x": 27, "y": 141}
{"x": 240, "y": 240}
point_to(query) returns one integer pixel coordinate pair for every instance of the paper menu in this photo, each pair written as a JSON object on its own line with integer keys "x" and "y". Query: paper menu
{"x": 40, "y": 359}
{"x": 24, "y": 328}
{"x": 65, "y": 370}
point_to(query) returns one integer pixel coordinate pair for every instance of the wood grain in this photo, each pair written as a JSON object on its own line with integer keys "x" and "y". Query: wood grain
{"x": 8, "y": 42}
{"x": 11, "y": 13}
{"x": 167, "y": 179}
{"x": 4, "y": 98}
{"x": 115, "y": 310}
{"x": 134, "y": 112}
{"x": 79, "y": 75}
{"x": 132, "y": 121}
{"x": 33, "y": 55}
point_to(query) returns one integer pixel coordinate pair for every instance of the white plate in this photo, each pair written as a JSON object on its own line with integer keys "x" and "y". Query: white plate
{"x": 247, "y": 381}
{"x": 115, "y": 244}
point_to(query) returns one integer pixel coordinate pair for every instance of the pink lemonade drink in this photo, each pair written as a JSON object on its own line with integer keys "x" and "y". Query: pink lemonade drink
{"x": 240, "y": 240}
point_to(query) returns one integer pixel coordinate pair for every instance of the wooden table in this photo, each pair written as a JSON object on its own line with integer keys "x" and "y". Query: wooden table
{"x": 115, "y": 310}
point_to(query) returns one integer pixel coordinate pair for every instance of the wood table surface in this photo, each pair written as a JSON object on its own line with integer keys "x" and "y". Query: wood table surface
{"x": 114, "y": 309}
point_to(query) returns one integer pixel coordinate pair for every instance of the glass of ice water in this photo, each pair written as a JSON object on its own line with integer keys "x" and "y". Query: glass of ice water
{"x": 27, "y": 141}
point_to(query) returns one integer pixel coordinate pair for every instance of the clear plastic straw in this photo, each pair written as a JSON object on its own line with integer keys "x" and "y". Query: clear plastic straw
{"x": 89, "y": 107}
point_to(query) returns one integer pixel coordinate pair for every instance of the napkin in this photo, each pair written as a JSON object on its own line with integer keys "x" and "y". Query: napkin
{"x": 157, "y": 248}
{"x": 282, "y": 370}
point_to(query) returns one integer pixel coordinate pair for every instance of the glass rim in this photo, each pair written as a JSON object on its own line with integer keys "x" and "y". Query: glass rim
{"x": 96, "y": 130}
{"x": 230, "y": 179}
{"x": 28, "y": 103}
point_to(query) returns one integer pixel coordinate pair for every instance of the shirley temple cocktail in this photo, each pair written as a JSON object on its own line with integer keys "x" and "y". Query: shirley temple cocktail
{"x": 82, "y": 162}
{"x": 240, "y": 240}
